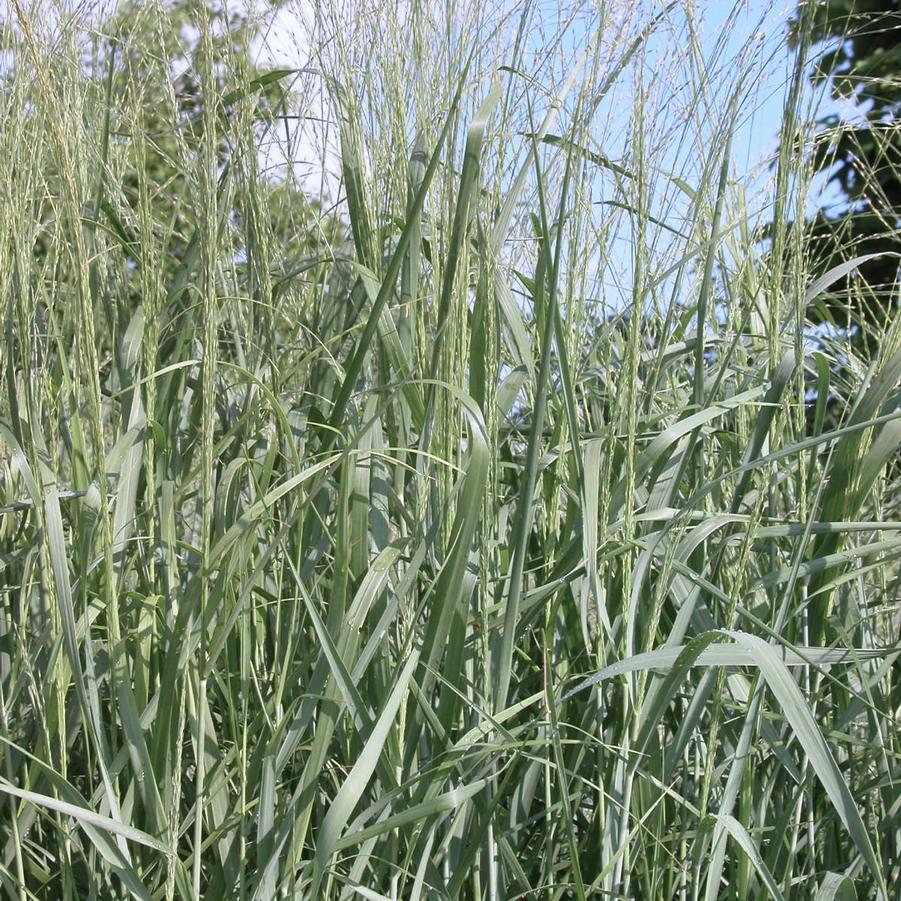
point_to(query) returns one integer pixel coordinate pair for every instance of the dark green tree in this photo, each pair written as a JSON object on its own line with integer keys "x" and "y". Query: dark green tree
{"x": 859, "y": 43}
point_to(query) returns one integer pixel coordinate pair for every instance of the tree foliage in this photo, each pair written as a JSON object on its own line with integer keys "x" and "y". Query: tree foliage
{"x": 860, "y": 58}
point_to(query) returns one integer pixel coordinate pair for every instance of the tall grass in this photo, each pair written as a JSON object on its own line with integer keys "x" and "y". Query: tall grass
{"x": 490, "y": 527}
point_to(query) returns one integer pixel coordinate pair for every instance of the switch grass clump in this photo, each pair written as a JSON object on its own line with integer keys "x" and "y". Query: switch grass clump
{"x": 419, "y": 476}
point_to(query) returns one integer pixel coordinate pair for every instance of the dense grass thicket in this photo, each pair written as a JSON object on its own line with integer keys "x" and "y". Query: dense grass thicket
{"x": 482, "y": 520}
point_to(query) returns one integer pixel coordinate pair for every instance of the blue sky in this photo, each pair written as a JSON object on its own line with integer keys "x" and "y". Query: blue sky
{"x": 725, "y": 26}
{"x": 726, "y": 30}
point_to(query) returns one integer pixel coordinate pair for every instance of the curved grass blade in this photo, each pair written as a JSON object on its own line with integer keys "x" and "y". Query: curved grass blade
{"x": 355, "y": 784}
